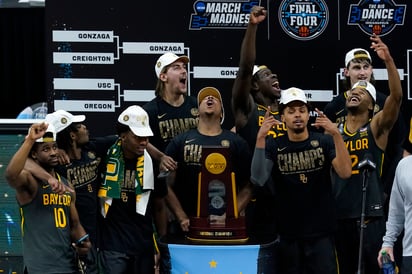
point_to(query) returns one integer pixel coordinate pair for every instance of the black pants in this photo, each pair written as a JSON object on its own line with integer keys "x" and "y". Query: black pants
{"x": 308, "y": 256}
{"x": 406, "y": 266}
{"x": 348, "y": 240}
{"x": 114, "y": 262}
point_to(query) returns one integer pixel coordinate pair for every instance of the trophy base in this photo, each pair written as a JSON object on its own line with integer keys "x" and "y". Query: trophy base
{"x": 232, "y": 232}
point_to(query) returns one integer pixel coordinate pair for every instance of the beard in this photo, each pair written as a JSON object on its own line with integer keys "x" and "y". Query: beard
{"x": 297, "y": 130}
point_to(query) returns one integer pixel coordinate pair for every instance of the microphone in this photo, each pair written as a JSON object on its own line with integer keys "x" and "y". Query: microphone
{"x": 367, "y": 163}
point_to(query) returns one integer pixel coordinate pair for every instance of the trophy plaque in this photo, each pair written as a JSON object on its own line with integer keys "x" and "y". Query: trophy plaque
{"x": 217, "y": 218}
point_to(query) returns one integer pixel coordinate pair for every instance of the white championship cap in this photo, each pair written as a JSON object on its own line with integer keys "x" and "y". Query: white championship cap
{"x": 357, "y": 53}
{"x": 167, "y": 59}
{"x": 137, "y": 119}
{"x": 292, "y": 94}
{"x": 61, "y": 119}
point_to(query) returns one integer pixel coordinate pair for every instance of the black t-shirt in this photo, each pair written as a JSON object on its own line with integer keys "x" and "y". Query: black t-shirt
{"x": 123, "y": 229}
{"x": 301, "y": 174}
{"x": 84, "y": 175}
{"x": 186, "y": 148}
{"x": 167, "y": 121}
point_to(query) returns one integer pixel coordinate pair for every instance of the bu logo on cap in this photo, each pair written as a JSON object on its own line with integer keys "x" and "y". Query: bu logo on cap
{"x": 63, "y": 121}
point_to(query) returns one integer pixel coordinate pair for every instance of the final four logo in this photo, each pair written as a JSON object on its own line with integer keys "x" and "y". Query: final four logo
{"x": 303, "y": 19}
{"x": 376, "y": 16}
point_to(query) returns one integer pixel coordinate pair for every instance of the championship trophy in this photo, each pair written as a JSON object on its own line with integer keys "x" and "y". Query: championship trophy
{"x": 217, "y": 218}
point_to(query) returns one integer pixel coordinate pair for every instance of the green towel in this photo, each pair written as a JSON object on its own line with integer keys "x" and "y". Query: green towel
{"x": 114, "y": 177}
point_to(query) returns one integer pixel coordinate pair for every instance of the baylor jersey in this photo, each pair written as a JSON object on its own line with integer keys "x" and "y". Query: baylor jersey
{"x": 250, "y": 130}
{"x": 348, "y": 193}
{"x": 45, "y": 223}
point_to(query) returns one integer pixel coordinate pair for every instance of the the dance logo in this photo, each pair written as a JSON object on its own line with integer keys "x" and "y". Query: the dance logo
{"x": 376, "y": 16}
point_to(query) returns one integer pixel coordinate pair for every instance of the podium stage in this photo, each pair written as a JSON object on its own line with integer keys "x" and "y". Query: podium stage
{"x": 180, "y": 255}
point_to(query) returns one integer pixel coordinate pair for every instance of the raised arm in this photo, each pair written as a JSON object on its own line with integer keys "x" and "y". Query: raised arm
{"x": 384, "y": 120}
{"x": 15, "y": 174}
{"x": 242, "y": 101}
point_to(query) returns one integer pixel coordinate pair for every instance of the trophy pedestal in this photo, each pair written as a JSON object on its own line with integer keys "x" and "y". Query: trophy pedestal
{"x": 217, "y": 219}
{"x": 234, "y": 231}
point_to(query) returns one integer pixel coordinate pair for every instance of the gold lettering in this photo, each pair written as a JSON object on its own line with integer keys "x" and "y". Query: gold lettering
{"x": 358, "y": 144}
{"x": 140, "y": 169}
{"x": 46, "y": 200}
{"x": 301, "y": 161}
{"x": 260, "y": 120}
{"x": 303, "y": 178}
{"x": 56, "y": 199}
{"x": 129, "y": 180}
{"x": 124, "y": 197}
{"x": 192, "y": 153}
{"x": 171, "y": 128}
{"x": 80, "y": 175}
{"x": 281, "y": 127}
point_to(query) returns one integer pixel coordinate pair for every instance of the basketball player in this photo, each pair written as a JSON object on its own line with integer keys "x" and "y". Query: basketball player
{"x": 171, "y": 112}
{"x": 254, "y": 89}
{"x": 50, "y": 222}
{"x": 366, "y": 136}
{"x": 300, "y": 163}
{"x": 186, "y": 148}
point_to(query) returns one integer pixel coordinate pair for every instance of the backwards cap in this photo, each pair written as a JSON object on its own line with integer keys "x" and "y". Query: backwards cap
{"x": 256, "y": 69}
{"x": 366, "y": 86}
{"x": 292, "y": 94}
{"x": 61, "y": 119}
{"x": 356, "y": 54}
{"x": 137, "y": 119}
{"x": 49, "y": 135}
{"x": 211, "y": 91}
{"x": 167, "y": 59}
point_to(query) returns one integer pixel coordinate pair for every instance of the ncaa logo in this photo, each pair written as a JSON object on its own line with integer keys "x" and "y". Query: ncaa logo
{"x": 303, "y": 20}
